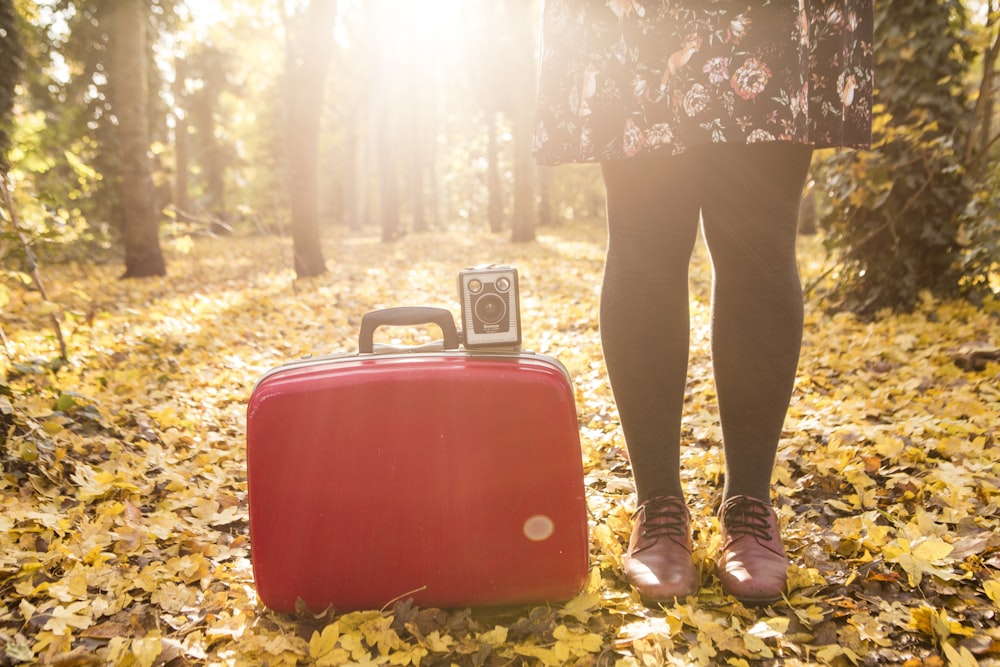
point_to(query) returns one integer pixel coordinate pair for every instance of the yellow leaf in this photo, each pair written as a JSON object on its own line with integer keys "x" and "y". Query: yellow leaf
{"x": 379, "y": 634}
{"x": 757, "y": 646}
{"x": 929, "y": 556}
{"x": 770, "y": 628}
{"x": 581, "y": 606}
{"x": 960, "y": 657}
{"x": 438, "y": 644}
{"x": 932, "y": 549}
{"x": 546, "y": 656}
{"x": 93, "y": 485}
{"x": 146, "y": 650}
{"x": 409, "y": 656}
{"x": 937, "y": 624}
{"x": 494, "y": 637}
{"x": 578, "y": 643}
{"x": 992, "y": 590}
{"x": 323, "y": 646}
{"x": 27, "y": 609}
{"x": 63, "y": 618}
{"x": 828, "y": 654}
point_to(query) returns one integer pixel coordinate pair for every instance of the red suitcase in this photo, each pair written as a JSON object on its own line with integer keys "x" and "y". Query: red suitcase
{"x": 452, "y": 477}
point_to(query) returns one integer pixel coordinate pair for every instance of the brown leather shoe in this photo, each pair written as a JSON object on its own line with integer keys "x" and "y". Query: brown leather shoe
{"x": 751, "y": 562}
{"x": 658, "y": 563}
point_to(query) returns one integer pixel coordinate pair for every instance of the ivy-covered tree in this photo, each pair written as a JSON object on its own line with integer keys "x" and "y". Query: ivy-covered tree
{"x": 897, "y": 209}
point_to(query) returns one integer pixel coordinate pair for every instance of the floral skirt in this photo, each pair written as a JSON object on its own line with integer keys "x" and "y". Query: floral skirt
{"x": 620, "y": 78}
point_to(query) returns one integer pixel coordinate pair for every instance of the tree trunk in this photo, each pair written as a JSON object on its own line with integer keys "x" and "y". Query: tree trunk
{"x": 127, "y": 72}
{"x": 523, "y": 222}
{"x": 523, "y": 39}
{"x": 213, "y": 74}
{"x": 416, "y": 169}
{"x": 308, "y": 65}
{"x": 352, "y": 179}
{"x": 388, "y": 183}
{"x": 494, "y": 186}
{"x": 985, "y": 107}
{"x": 182, "y": 143}
{"x": 431, "y": 171}
{"x": 385, "y": 100}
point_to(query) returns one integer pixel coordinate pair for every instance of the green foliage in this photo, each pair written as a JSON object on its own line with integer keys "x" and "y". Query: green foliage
{"x": 896, "y": 210}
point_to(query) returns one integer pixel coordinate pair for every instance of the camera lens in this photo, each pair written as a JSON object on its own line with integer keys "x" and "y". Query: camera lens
{"x": 502, "y": 284}
{"x": 491, "y": 309}
{"x": 475, "y": 286}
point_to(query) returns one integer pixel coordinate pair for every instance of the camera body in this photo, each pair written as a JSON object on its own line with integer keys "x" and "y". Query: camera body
{"x": 491, "y": 315}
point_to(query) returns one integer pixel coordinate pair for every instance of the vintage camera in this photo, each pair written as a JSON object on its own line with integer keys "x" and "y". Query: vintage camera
{"x": 491, "y": 314}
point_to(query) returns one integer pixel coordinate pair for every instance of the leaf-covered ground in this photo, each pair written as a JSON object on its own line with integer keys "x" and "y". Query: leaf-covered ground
{"x": 123, "y": 531}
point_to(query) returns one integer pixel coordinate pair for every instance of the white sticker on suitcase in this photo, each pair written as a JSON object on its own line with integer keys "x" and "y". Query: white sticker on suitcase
{"x": 538, "y": 528}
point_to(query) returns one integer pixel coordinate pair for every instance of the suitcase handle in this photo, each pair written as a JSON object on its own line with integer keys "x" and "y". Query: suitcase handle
{"x": 407, "y": 316}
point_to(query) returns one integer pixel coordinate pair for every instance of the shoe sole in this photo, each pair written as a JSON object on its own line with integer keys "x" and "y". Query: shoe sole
{"x": 756, "y": 602}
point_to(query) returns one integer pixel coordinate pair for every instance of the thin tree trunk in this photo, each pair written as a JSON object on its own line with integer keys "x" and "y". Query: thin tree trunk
{"x": 140, "y": 233}
{"x": 384, "y": 99}
{"x": 981, "y": 137}
{"x": 522, "y": 113}
{"x": 388, "y": 183}
{"x": 352, "y": 178}
{"x": 430, "y": 161}
{"x": 523, "y": 222}
{"x": 308, "y": 74}
{"x": 182, "y": 143}
{"x": 494, "y": 186}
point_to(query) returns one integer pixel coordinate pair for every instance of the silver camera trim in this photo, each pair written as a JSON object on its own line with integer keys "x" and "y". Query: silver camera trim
{"x": 488, "y": 276}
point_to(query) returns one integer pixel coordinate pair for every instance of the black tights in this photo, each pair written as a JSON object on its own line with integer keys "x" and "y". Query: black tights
{"x": 747, "y": 197}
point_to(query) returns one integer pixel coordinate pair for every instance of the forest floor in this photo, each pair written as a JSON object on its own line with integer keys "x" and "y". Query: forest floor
{"x": 124, "y": 520}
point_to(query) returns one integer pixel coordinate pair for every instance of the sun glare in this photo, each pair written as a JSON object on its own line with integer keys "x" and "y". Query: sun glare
{"x": 420, "y": 30}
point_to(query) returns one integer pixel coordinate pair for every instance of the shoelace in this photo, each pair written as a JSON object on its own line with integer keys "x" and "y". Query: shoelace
{"x": 666, "y": 516}
{"x": 747, "y": 516}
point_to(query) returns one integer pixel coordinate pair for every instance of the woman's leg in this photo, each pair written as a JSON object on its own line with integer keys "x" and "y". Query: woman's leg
{"x": 653, "y": 207}
{"x": 652, "y": 226}
{"x": 750, "y": 221}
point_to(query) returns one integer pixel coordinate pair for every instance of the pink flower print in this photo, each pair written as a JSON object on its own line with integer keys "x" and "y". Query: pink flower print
{"x": 834, "y": 18}
{"x": 633, "y": 139}
{"x": 717, "y": 70}
{"x": 661, "y": 133}
{"x": 640, "y": 87}
{"x": 760, "y": 135}
{"x": 738, "y": 28}
{"x": 696, "y": 100}
{"x": 750, "y": 80}
{"x": 624, "y": 8}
